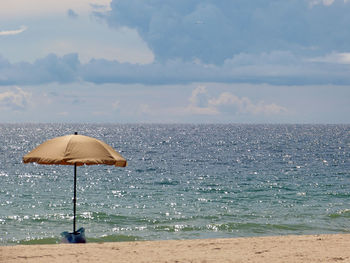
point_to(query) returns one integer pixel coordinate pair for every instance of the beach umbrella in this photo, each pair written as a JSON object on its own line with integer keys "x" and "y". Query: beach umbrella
{"x": 75, "y": 150}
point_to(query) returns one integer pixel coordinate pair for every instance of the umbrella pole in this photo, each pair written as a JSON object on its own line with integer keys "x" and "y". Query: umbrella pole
{"x": 75, "y": 196}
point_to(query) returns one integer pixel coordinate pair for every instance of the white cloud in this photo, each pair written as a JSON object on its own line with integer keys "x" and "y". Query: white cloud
{"x": 199, "y": 97}
{"x": 13, "y": 32}
{"x": 328, "y": 2}
{"x": 116, "y": 105}
{"x": 63, "y": 113}
{"x": 15, "y": 99}
{"x": 145, "y": 109}
{"x": 10, "y": 8}
{"x": 324, "y": 2}
{"x": 245, "y": 105}
{"x": 198, "y": 103}
{"x": 202, "y": 104}
{"x": 334, "y": 57}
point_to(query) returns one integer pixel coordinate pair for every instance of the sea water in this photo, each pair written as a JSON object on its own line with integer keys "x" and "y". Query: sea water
{"x": 181, "y": 182}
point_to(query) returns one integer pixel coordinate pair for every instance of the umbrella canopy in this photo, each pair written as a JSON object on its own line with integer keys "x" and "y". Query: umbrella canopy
{"x": 75, "y": 150}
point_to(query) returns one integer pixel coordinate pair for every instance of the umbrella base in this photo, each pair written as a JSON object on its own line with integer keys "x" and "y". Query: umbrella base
{"x": 75, "y": 237}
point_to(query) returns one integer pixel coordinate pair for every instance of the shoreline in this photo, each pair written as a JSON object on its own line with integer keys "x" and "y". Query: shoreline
{"x": 289, "y": 248}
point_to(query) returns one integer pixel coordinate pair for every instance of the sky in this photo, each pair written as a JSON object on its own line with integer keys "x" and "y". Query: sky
{"x": 166, "y": 61}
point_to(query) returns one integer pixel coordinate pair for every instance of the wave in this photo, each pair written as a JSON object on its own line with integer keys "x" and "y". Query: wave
{"x": 232, "y": 227}
{"x": 52, "y": 240}
{"x": 167, "y": 182}
{"x": 342, "y": 213}
{"x": 113, "y": 238}
{"x": 37, "y": 241}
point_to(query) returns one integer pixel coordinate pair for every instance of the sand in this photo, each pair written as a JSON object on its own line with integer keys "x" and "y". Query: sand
{"x": 316, "y": 248}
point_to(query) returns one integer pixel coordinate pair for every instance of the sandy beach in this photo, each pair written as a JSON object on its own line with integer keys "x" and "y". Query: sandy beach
{"x": 311, "y": 248}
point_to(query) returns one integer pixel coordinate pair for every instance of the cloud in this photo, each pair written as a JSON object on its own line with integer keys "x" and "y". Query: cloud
{"x": 325, "y": 2}
{"x": 230, "y": 102}
{"x": 145, "y": 109}
{"x": 35, "y": 8}
{"x": 63, "y": 113}
{"x": 72, "y": 14}
{"x": 13, "y": 32}
{"x": 200, "y": 103}
{"x": 15, "y": 99}
{"x": 214, "y": 31}
{"x": 274, "y": 42}
{"x": 334, "y": 58}
{"x": 116, "y": 105}
{"x": 47, "y": 70}
{"x": 100, "y": 7}
{"x": 277, "y": 68}
{"x": 320, "y": 2}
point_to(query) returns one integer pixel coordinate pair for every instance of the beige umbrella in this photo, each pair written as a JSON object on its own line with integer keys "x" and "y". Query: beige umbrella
{"x": 75, "y": 150}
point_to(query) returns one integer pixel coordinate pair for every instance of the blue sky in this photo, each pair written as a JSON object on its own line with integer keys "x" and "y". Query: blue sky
{"x": 165, "y": 61}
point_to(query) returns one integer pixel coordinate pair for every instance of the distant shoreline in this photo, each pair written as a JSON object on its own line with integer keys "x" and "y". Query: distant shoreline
{"x": 290, "y": 248}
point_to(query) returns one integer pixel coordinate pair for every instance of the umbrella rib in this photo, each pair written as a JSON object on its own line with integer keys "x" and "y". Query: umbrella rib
{"x": 64, "y": 159}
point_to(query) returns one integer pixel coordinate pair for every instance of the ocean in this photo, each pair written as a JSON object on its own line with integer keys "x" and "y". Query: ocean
{"x": 182, "y": 182}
